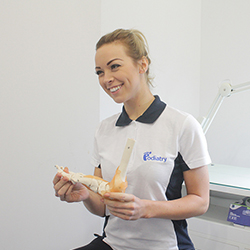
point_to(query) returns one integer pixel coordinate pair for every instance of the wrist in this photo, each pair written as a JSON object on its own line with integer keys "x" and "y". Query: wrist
{"x": 155, "y": 209}
{"x": 147, "y": 209}
{"x": 87, "y": 196}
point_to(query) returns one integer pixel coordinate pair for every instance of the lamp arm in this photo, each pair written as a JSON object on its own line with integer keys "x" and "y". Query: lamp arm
{"x": 206, "y": 122}
{"x": 240, "y": 87}
{"x": 225, "y": 90}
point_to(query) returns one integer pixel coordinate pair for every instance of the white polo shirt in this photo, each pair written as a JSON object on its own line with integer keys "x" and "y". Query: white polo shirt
{"x": 168, "y": 142}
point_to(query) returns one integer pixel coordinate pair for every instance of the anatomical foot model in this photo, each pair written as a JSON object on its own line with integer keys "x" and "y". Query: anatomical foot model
{"x": 98, "y": 185}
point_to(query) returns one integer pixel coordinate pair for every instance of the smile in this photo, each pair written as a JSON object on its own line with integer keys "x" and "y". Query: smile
{"x": 114, "y": 89}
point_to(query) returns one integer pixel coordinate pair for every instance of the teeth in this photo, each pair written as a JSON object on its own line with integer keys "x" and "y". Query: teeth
{"x": 115, "y": 88}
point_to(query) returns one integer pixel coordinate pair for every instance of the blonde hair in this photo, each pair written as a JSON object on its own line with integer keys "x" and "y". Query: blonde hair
{"x": 134, "y": 41}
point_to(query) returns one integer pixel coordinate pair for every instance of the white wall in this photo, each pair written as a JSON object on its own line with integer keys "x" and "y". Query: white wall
{"x": 172, "y": 29}
{"x": 49, "y": 107}
{"x": 225, "y": 54}
{"x": 47, "y": 86}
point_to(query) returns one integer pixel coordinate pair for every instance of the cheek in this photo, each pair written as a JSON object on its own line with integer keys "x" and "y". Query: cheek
{"x": 101, "y": 83}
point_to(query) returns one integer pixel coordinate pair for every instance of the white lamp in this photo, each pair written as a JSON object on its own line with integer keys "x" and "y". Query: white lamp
{"x": 225, "y": 90}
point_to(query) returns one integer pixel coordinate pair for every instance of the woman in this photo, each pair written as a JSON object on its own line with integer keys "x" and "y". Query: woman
{"x": 170, "y": 147}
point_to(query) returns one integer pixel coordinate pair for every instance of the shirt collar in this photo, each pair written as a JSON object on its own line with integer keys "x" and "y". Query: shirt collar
{"x": 149, "y": 116}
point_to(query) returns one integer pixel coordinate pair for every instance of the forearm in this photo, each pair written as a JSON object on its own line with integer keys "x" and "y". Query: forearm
{"x": 183, "y": 208}
{"x": 94, "y": 205}
{"x": 130, "y": 207}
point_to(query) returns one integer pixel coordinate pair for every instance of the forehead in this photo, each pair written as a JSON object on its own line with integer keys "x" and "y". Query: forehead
{"x": 110, "y": 51}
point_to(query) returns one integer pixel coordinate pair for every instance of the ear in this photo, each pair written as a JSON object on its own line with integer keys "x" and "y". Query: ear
{"x": 143, "y": 65}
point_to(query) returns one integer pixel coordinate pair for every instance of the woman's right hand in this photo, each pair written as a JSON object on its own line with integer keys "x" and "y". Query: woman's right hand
{"x": 69, "y": 192}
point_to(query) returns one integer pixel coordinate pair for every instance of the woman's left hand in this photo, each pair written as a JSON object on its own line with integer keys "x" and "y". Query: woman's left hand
{"x": 124, "y": 206}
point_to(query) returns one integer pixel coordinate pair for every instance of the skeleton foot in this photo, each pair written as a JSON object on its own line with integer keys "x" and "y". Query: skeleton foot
{"x": 98, "y": 185}
{"x": 94, "y": 183}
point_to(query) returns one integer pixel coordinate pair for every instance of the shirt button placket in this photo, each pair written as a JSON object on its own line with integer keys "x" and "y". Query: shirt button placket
{"x": 133, "y": 134}
{"x": 135, "y": 129}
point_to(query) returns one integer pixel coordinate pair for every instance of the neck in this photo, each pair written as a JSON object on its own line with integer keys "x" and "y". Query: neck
{"x": 136, "y": 107}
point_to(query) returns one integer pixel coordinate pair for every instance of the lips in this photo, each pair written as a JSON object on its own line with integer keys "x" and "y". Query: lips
{"x": 115, "y": 88}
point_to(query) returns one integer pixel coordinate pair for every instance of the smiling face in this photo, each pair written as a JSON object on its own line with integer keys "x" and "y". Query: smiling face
{"x": 120, "y": 77}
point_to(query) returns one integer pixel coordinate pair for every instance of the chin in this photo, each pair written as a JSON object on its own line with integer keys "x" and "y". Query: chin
{"x": 118, "y": 99}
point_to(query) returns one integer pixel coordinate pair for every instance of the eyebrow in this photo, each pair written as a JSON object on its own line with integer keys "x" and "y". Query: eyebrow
{"x": 109, "y": 62}
{"x": 113, "y": 60}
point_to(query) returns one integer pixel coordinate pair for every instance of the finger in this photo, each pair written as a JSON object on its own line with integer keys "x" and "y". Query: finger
{"x": 68, "y": 192}
{"x": 119, "y": 197}
{"x": 65, "y": 195}
{"x": 117, "y": 205}
{"x": 58, "y": 185}
{"x": 61, "y": 187}
{"x": 125, "y": 214}
{"x": 57, "y": 178}
{"x": 122, "y": 215}
{"x": 63, "y": 190}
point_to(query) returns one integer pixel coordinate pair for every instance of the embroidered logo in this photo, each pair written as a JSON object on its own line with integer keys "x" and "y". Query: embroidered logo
{"x": 149, "y": 157}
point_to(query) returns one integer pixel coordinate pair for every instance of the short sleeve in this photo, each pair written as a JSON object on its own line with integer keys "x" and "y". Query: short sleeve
{"x": 95, "y": 159}
{"x": 193, "y": 144}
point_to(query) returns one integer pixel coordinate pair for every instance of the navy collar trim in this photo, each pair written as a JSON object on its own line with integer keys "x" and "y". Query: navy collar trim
{"x": 149, "y": 116}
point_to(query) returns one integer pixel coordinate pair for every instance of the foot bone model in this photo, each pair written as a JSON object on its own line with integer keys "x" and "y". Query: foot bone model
{"x": 98, "y": 185}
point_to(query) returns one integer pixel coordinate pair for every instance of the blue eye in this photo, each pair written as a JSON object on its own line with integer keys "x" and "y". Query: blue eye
{"x": 99, "y": 72}
{"x": 115, "y": 66}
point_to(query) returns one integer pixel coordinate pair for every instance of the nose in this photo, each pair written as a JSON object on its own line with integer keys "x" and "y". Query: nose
{"x": 108, "y": 78}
